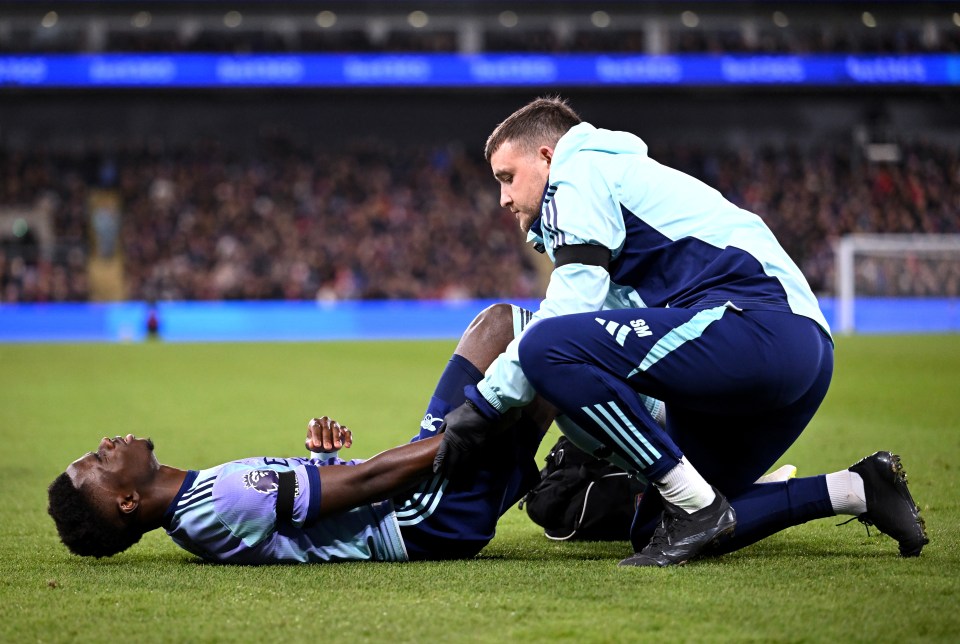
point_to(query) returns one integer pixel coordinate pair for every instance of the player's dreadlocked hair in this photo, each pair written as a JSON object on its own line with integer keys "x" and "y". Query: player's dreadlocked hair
{"x": 80, "y": 525}
{"x": 540, "y": 122}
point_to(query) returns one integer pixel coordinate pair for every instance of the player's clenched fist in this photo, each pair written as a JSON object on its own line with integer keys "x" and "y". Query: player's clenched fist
{"x": 327, "y": 435}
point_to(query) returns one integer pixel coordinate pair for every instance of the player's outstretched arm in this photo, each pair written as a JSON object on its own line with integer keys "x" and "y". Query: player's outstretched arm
{"x": 387, "y": 474}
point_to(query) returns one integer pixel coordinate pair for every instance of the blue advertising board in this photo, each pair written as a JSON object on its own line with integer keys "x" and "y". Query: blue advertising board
{"x": 359, "y": 320}
{"x": 481, "y": 70}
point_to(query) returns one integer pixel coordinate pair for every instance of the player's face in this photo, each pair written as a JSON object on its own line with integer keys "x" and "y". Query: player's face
{"x": 119, "y": 466}
{"x": 522, "y": 176}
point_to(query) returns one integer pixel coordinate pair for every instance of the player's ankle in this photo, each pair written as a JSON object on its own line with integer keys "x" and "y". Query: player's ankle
{"x": 685, "y": 488}
{"x": 846, "y": 491}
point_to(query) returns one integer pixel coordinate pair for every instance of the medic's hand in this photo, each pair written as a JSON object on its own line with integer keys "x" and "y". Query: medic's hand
{"x": 327, "y": 435}
{"x": 466, "y": 430}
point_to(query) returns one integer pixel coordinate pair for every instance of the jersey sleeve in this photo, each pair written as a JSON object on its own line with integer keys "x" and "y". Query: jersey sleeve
{"x": 578, "y": 208}
{"x": 245, "y": 497}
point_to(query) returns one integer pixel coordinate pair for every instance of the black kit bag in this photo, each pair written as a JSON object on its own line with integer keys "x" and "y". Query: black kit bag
{"x": 581, "y": 497}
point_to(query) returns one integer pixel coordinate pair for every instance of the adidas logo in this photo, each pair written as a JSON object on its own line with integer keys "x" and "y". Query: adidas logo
{"x": 619, "y": 332}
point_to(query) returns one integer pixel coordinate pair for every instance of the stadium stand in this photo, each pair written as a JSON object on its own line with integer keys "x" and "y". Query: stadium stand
{"x": 281, "y": 218}
{"x": 379, "y": 221}
{"x": 661, "y": 28}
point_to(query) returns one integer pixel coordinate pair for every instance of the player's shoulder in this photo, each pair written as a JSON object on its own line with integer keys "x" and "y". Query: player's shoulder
{"x": 272, "y": 462}
{"x": 261, "y": 473}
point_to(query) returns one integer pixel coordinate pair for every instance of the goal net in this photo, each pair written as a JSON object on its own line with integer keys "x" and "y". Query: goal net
{"x": 898, "y": 266}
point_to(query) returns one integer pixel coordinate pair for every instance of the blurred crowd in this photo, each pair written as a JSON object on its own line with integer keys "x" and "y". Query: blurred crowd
{"x": 758, "y": 36}
{"x": 374, "y": 222}
{"x": 380, "y": 221}
{"x": 820, "y": 39}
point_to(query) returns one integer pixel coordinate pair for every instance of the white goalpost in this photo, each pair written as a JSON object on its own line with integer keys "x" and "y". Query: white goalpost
{"x": 903, "y": 265}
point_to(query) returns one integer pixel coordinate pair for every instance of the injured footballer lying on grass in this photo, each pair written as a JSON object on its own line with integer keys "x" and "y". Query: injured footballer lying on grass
{"x": 394, "y": 507}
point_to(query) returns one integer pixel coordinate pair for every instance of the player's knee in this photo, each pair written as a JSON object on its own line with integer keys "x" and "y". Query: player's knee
{"x": 494, "y": 323}
{"x": 488, "y": 335}
{"x": 495, "y": 318}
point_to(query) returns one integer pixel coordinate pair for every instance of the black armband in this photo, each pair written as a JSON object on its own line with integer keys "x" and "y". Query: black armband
{"x": 590, "y": 254}
{"x": 286, "y": 493}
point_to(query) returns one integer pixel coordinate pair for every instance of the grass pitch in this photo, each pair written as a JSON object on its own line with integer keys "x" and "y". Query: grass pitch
{"x": 204, "y": 404}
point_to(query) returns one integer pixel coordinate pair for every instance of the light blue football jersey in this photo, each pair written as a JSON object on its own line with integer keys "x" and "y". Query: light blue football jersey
{"x": 674, "y": 242}
{"x": 227, "y": 514}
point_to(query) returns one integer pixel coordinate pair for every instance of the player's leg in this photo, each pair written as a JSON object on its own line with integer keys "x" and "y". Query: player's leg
{"x": 484, "y": 339}
{"x": 445, "y": 519}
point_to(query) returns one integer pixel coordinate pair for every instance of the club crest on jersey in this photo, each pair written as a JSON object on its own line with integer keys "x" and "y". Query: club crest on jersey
{"x": 430, "y": 423}
{"x": 266, "y": 481}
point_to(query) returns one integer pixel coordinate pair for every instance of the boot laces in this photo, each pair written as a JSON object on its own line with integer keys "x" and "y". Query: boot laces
{"x": 866, "y": 522}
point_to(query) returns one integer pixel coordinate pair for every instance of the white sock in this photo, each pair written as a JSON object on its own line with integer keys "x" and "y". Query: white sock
{"x": 685, "y": 488}
{"x": 846, "y": 493}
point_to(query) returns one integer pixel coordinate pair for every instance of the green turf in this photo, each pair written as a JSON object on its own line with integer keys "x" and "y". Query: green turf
{"x": 204, "y": 404}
